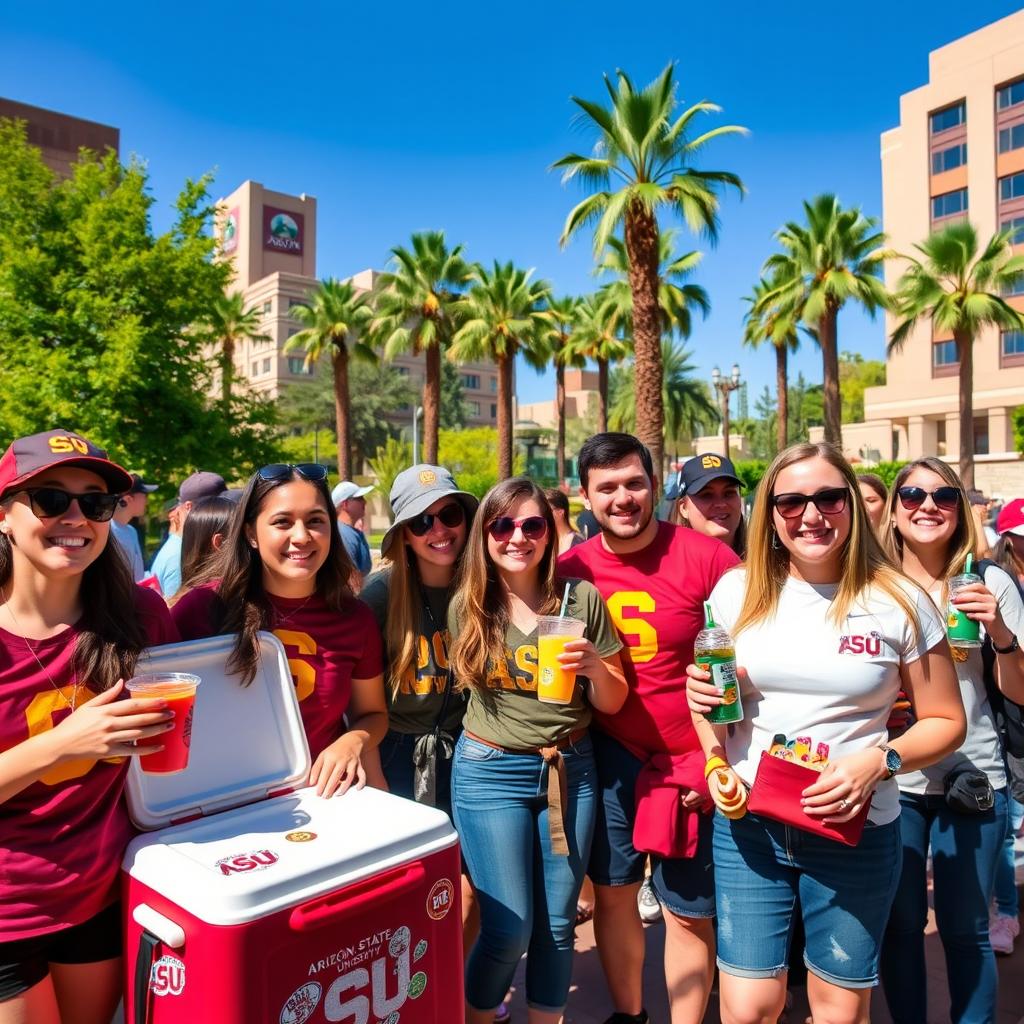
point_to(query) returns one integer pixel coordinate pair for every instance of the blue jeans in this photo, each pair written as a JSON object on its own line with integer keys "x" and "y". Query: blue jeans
{"x": 1005, "y": 887}
{"x": 527, "y": 895}
{"x": 845, "y": 894}
{"x": 964, "y": 848}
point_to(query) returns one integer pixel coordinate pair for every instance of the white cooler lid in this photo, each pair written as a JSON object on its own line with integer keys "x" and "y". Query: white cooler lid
{"x": 247, "y": 863}
{"x": 247, "y": 741}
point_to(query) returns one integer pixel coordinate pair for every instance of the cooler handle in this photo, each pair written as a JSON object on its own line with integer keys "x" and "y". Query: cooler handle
{"x": 143, "y": 970}
{"x": 358, "y": 896}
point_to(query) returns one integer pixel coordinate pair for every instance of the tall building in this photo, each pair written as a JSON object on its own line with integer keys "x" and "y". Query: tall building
{"x": 957, "y": 153}
{"x": 59, "y": 137}
{"x": 270, "y": 239}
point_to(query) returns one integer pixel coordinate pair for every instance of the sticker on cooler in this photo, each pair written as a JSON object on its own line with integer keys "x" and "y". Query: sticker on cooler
{"x": 301, "y": 1004}
{"x": 255, "y": 860}
{"x": 167, "y": 977}
{"x": 440, "y": 899}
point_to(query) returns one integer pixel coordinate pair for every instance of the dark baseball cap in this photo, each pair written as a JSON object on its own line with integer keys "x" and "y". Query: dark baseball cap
{"x": 201, "y": 485}
{"x": 699, "y": 471}
{"x": 29, "y": 456}
{"x": 139, "y": 486}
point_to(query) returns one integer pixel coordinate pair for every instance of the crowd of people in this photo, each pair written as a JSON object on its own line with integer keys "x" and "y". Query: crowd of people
{"x": 420, "y": 676}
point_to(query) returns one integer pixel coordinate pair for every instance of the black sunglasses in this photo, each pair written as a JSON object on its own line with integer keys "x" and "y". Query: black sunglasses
{"x": 283, "y": 471}
{"x": 502, "y": 528}
{"x": 49, "y": 502}
{"x": 946, "y": 498}
{"x": 829, "y": 501}
{"x": 451, "y": 516}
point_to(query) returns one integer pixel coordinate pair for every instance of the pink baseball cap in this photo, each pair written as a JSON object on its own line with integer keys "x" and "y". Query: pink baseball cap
{"x": 28, "y": 456}
{"x": 1011, "y": 518}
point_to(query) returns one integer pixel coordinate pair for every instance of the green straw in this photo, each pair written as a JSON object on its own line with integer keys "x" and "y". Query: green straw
{"x": 565, "y": 603}
{"x": 970, "y": 562}
{"x": 709, "y": 622}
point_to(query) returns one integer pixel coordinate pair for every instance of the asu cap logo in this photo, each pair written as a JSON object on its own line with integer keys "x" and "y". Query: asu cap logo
{"x": 427, "y": 477}
{"x": 62, "y": 444}
{"x": 710, "y": 462}
{"x": 28, "y": 456}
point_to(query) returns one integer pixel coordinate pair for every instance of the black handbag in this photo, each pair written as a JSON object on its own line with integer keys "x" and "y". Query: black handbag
{"x": 968, "y": 791}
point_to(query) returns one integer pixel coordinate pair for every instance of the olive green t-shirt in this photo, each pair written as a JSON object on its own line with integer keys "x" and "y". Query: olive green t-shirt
{"x": 506, "y": 711}
{"x": 420, "y": 696}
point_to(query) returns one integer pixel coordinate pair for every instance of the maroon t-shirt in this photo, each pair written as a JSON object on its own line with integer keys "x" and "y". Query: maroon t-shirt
{"x": 656, "y": 599}
{"x": 326, "y": 651}
{"x": 62, "y": 837}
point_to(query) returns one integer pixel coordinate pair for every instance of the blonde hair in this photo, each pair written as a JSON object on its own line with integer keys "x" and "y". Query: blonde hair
{"x": 864, "y": 563}
{"x": 964, "y": 541}
{"x": 480, "y": 605}
{"x": 402, "y": 626}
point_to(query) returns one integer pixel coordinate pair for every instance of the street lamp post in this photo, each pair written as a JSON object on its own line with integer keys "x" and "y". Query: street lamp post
{"x": 417, "y": 412}
{"x": 725, "y": 386}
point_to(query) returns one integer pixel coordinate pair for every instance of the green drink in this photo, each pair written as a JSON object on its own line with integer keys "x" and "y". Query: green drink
{"x": 715, "y": 652}
{"x": 961, "y": 631}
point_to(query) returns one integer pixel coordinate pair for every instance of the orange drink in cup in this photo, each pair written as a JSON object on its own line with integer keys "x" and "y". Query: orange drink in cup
{"x": 178, "y": 689}
{"x": 555, "y": 685}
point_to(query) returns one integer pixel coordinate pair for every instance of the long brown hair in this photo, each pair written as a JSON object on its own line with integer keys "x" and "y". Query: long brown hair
{"x": 110, "y": 637}
{"x": 207, "y": 518}
{"x": 243, "y": 607}
{"x": 479, "y": 602}
{"x": 964, "y": 541}
{"x": 864, "y": 563}
{"x": 1004, "y": 554}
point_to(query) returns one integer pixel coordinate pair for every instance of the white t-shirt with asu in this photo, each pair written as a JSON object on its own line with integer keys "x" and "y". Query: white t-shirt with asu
{"x": 809, "y": 677}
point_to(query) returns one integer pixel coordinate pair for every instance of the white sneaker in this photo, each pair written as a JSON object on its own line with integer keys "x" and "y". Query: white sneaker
{"x": 647, "y": 903}
{"x": 1002, "y": 930}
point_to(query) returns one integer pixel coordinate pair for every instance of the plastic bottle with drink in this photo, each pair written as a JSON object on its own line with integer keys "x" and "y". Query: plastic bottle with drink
{"x": 715, "y": 652}
{"x": 960, "y": 630}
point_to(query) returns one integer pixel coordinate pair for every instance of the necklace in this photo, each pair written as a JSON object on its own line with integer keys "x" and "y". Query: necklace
{"x": 280, "y": 620}
{"x": 20, "y": 634}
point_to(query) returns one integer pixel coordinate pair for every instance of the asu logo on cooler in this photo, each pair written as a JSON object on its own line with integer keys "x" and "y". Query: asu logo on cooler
{"x": 710, "y": 462}
{"x": 64, "y": 444}
{"x": 167, "y": 977}
{"x": 240, "y": 862}
{"x": 440, "y": 899}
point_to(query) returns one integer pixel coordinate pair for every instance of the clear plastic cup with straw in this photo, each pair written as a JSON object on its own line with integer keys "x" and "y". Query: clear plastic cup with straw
{"x": 962, "y": 631}
{"x": 555, "y": 684}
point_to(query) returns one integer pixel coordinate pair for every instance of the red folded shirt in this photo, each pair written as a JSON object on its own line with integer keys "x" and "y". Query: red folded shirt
{"x": 662, "y": 824}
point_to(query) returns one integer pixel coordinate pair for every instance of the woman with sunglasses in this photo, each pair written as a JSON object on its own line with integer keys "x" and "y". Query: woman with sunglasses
{"x": 956, "y": 807}
{"x": 283, "y": 568}
{"x": 523, "y": 780}
{"x": 826, "y": 632}
{"x": 72, "y": 625}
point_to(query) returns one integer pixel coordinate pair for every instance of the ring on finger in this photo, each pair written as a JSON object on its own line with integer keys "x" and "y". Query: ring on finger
{"x": 843, "y": 805}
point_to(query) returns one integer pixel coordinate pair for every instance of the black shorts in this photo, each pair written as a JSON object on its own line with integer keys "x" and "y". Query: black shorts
{"x": 25, "y": 962}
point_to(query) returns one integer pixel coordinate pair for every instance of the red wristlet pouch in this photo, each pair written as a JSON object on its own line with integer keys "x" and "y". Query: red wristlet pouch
{"x": 776, "y": 794}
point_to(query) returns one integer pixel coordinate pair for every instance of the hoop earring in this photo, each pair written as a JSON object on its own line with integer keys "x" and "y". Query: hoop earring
{"x": 775, "y": 541}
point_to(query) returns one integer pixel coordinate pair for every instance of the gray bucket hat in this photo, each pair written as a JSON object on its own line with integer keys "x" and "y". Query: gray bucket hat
{"x": 415, "y": 490}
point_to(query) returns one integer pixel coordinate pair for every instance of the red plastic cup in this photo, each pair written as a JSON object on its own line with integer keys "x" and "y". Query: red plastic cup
{"x": 178, "y": 689}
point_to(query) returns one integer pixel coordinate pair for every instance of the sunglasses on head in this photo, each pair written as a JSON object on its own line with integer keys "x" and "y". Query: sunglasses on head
{"x": 283, "y": 471}
{"x": 946, "y": 498}
{"x": 829, "y": 501}
{"x": 502, "y": 528}
{"x": 451, "y": 516}
{"x": 49, "y": 502}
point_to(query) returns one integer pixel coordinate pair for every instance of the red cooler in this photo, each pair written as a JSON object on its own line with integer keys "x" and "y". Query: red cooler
{"x": 260, "y": 903}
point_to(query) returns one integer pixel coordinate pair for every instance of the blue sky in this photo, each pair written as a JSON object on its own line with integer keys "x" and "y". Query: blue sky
{"x": 402, "y": 117}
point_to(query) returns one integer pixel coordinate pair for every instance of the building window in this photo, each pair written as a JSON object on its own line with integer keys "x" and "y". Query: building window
{"x": 1013, "y": 343}
{"x": 1017, "y": 288}
{"x": 254, "y": 372}
{"x": 1011, "y": 138}
{"x": 494, "y": 385}
{"x": 402, "y": 371}
{"x": 950, "y": 203}
{"x": 1016, "y": 225}
{"x": 1011, "y": 187}
{"x": 292, "y": 331}
{"x": 942, "y": 120}
{"x": 297, "y": 364}
{"x": 944, "y": 354}
{"x": 471, "y": 381}
{"x": 474, "y": 408}
{"x": 981, "y": 436}
{"x": 948, "y": 159}
{"x": 268, "y": 306}
{"x": 266, "y": 366}
{"x": 1010, "y": 95}
{"x": 292, "y": 303}
{"x": 494, "y": 411}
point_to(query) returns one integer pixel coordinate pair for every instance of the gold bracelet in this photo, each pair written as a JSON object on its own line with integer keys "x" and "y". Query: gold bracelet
{"x": 714, "y": 763}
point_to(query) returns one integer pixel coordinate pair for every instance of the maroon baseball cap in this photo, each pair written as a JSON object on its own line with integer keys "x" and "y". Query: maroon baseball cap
{"x": 29, "y": 456}
{"x": 1011, "y": 518}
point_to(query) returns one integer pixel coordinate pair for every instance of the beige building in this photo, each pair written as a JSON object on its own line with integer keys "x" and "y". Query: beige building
{"x": 270, "y": 239}
{"x": 59, "y": 137}
{"x": 958, "y": 152}
{"x": 580, "y": 390}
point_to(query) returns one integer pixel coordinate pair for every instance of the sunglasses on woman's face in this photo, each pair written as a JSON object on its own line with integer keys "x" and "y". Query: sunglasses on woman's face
{"x": 946, "y": 498}
{"x": 50, "y": 502}
{"x": 502, "y": 528}
{"x": 829, "y": 501}
{"x": 451, "y": 516}
{"x": 283, "y": 471}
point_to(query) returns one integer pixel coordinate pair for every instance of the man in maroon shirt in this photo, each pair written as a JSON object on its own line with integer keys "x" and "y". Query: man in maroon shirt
{"x": 654, "y": 578}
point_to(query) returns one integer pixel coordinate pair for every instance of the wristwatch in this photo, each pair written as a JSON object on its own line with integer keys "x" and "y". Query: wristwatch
{"x": 1012, "y": 646}
{"x": 893, "y": 761}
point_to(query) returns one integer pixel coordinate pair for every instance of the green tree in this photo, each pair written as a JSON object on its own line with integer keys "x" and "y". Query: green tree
{"x": 413, "y": 312}
{"x": 806, "y": 408}
{"x": 453, "y": 402}
{"x": 647, "y": 149}
{"x": 559, "y": 320}
{"x": 229, "y": 324}
{"x": 1018, "y": 427}
{"x": 835, "y": 258}
{"x": 331, "y": 320}
{"x": 472, "y": 457}
{"x": 102, "y": 321}
{"x": 500, "y": 317}
{"x": 599, "y": 335}
{"x": 856, "y": 374}
{"x": 391, "y": 458}
{"x": 960, "y": 288}
{"x": 773, "y": 324}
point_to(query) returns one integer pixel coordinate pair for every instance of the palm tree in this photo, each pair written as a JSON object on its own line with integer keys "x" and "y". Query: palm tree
{"x": 600, "y": 336}
{"x": 500, "y": 316}
{"x": 231, "y": 323}
{"x": 558, "y": 320}
{"x": 332, "y": 319}
{"x": 837, "y": 256}
{"x": 777, "y": 326}
{"x": 413, "y": 313}
{"x": 961, "y": 292}
{"x": 647, "y": 150}
{"x": 688, "y": 405}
